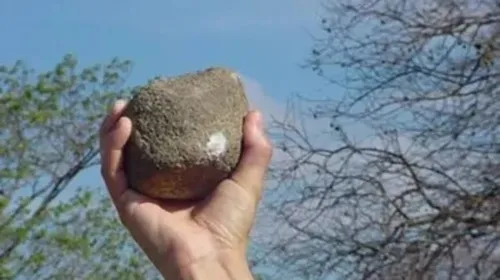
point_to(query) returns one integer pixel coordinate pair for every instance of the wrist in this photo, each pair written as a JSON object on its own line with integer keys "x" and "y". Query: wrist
{"x": 223, "y": 266}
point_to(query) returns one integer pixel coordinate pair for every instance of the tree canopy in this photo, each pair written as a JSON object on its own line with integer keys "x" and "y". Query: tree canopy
{"x": 56, "y": 221}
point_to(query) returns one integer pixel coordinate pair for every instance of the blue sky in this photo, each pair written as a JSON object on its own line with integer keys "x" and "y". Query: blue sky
{"x": 265, "y": 40}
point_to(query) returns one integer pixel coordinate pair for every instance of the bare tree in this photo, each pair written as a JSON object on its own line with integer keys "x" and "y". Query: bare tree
{"x": 402, "y": 178}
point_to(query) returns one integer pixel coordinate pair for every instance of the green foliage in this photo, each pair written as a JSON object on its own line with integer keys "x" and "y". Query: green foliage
{"x": 48, "y": 137}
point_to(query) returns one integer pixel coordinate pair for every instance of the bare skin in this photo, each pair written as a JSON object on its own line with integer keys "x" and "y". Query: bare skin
{"x": 204, "y": 239}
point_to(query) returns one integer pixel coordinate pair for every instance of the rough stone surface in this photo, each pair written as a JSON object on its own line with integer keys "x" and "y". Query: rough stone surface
{"x": 187, "y": 133}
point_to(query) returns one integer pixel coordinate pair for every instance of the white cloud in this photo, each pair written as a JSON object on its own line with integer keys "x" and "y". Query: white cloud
{"x": 271, "y": 109}
{"x": 259, "y": 100}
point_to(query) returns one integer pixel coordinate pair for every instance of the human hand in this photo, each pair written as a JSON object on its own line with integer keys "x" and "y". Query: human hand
{"x": 204, "y": 239}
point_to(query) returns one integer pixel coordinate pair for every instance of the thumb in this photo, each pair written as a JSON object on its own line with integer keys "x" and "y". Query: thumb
{"x": 255, "y": 157}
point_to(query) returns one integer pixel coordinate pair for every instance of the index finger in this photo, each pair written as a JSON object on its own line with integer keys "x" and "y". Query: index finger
{"x": 114, "y": 134}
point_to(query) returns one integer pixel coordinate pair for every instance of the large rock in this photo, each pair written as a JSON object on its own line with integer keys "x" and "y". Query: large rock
{"x": 187, "y": 133}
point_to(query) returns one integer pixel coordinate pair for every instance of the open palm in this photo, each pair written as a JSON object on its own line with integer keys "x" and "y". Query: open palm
{"x": 179, "y": 234}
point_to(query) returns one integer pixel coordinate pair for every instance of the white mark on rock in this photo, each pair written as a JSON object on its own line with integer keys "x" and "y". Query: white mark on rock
{"x": 216, "y": 145}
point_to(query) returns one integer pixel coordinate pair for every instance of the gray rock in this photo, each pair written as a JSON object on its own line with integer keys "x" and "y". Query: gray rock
{"x": 187, "y": 133}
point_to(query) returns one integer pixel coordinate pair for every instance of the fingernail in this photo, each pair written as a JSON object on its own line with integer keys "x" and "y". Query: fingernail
{"x": 117, "y": 104}
{"x": 120, "y": 102}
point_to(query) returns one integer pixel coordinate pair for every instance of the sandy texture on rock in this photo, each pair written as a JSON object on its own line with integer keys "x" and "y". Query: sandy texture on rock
{"x": 187, "y": 133}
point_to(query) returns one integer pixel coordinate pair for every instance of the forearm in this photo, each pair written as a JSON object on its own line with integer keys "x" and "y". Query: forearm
{"x": 224, "y": 270}
{"x": 228, "y": 267}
